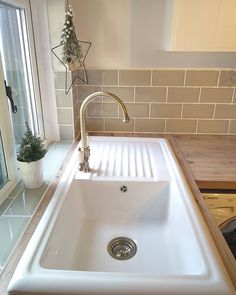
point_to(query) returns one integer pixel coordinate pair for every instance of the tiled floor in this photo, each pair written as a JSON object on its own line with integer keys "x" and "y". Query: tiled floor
{"x": 17, "y": 209}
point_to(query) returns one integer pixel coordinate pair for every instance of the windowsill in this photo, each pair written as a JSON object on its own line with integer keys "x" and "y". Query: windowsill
{"x": 20, "y": 208}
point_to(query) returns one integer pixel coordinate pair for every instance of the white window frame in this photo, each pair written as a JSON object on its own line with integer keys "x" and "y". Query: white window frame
{"x": 38, "y": 37}
{"x": 7, "y": 139}
{"x": 42, "y": 70}
{"x": 32, "y": 64}
{"x": 39, "y": 12}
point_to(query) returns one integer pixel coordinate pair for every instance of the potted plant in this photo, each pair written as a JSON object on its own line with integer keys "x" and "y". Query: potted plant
{"x": 30, "y": 158}
{"x": 72, "y": 53}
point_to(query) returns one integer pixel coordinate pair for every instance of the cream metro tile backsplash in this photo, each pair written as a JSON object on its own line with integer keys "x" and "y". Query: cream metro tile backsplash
{"x": 158, "y": 101}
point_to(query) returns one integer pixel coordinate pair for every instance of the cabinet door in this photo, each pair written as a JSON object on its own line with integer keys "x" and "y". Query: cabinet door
{"x": 202, "y": 25}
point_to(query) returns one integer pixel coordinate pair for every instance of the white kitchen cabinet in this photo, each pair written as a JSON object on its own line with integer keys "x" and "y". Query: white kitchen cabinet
{"x": 200, "y": 25}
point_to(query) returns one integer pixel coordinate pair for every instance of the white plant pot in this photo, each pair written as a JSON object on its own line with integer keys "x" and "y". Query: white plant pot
{"x": 32, "y": 173}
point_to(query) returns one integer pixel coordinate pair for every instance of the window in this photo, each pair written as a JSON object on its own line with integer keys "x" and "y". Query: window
{"x": 19, "y": 66}
{"x": 19, "y": 70}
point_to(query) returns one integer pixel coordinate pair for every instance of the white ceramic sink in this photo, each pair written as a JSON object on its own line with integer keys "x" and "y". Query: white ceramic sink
{"x": 149, "y": 213}
{"x": 136, "y": 190}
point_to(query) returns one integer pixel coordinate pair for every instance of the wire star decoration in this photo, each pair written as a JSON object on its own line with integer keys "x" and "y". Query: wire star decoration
{"x": 85, "y": 45}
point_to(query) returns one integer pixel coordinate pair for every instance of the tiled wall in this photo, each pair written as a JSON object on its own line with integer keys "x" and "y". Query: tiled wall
{"x": 65, "y": 107}
{"x": 158, "y": 101}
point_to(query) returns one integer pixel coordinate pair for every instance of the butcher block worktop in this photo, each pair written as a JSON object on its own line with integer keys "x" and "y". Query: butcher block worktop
{"x": 211, "y": 158}
{"x": 209, "y": 162}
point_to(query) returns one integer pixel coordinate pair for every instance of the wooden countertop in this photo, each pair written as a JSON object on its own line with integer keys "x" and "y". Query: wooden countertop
{"x": 209, "y": 162}
{"x": 211, "y": 158}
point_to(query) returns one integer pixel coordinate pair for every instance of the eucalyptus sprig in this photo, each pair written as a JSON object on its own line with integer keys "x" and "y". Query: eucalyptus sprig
{"x": 71, "y": 50}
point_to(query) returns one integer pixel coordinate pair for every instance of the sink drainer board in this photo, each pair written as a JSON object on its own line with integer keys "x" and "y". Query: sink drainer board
{"x": 122, "y": 248}
{"x": 135, "y": 194}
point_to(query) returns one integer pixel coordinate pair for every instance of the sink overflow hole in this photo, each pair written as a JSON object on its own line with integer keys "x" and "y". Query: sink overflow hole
{"x": 123, "y": 188}
{"x": 122, "y": 248}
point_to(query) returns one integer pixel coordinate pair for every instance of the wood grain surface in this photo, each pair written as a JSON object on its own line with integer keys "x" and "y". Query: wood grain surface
{"x": 221, "y": 245}
{"x": 212, "y": 159}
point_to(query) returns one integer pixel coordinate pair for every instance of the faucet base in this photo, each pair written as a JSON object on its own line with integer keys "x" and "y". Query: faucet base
{"x": 84, "y": 159}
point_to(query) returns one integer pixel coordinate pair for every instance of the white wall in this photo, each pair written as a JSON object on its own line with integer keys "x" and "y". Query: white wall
{"x": 56, "y": 18}
{"x": 128, "y": 33}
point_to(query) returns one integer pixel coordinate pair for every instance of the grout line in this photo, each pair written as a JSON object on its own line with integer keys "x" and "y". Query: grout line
{"x": 17, "y": 216}
{"x": 155, "y": 86}
{"x": 196, "y": 131}
{"x": 103, "y": 124}
{"x": 167, "y": 93}
{"x": 232, "y": 101}
{"x": 229, "y": 123}
{"x": 151, "y": 78}
{"x": 214, "y": 111}
{"x": 200, "y": 93}
{"x": 182, "y": 109}
{"x": 185, "y": 74}
{"x": 149, "y": 110}
{"x": 218, "y": 80}
{"x": 134, "y": 94}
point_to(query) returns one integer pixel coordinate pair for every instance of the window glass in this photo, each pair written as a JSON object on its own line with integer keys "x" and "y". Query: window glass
{"x": 17, "y": 66}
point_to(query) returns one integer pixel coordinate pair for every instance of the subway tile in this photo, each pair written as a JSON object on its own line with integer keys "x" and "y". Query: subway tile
{"x": 136, "y": 110}
{"x": 66, "y": 132}
{"x": 76, "y": 129}
{"x": 227, "y": 78}
{"x": 59, "y": 80}
{"x": 212, "y": 126}
{"x": 164, "y": 110}
{"x": 183, "y": 94}
{"x": 102, "y": 77}
{"x": 232, "y": 127}
{"x": 201, "y": 78}
{"x": 150, "y": 94}
{"x": 65, "y": 116}
{"x": 198, "y": 110}
{"x": 94, "y": 124}
{"x": 216, "y": 95}
{"x": 149, "y": 125}
{"x": 135, "y": 77}
{"x": 168, "y": 77}
{"x": 75, "y": 96}
{"x": 102, "y": 110}
{"x": 84, "y": 91}
{"x": 76, "y": 110}
{"x": 225, "y": 111}
{"x": 62, "y": 99}
{"x": 81, "y": 76}
{"x": 181, "y": 125}
{"x": 113, "y": 124}
{"x": 125, "y": 93}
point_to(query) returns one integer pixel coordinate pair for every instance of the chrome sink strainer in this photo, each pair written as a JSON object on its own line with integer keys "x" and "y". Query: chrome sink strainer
{"x": 122, "y": 248}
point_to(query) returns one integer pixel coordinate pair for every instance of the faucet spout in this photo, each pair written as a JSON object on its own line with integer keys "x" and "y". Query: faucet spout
{"x": 84, "y": 151}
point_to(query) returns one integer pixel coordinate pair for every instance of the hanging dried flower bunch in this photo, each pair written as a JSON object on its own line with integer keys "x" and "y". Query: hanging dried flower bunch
{"x": 71, "y": 51}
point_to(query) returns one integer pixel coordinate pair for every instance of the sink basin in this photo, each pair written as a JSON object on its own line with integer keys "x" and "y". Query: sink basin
{"x": 148, "y": 213}
{"x": 135, "y": 193}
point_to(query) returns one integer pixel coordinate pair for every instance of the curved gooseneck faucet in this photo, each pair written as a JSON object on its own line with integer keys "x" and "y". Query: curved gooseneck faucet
{"x": 84, "y": 151}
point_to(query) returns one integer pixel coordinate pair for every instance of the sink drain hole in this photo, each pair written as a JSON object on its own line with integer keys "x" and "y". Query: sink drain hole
{"x": 122, "y": 248}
